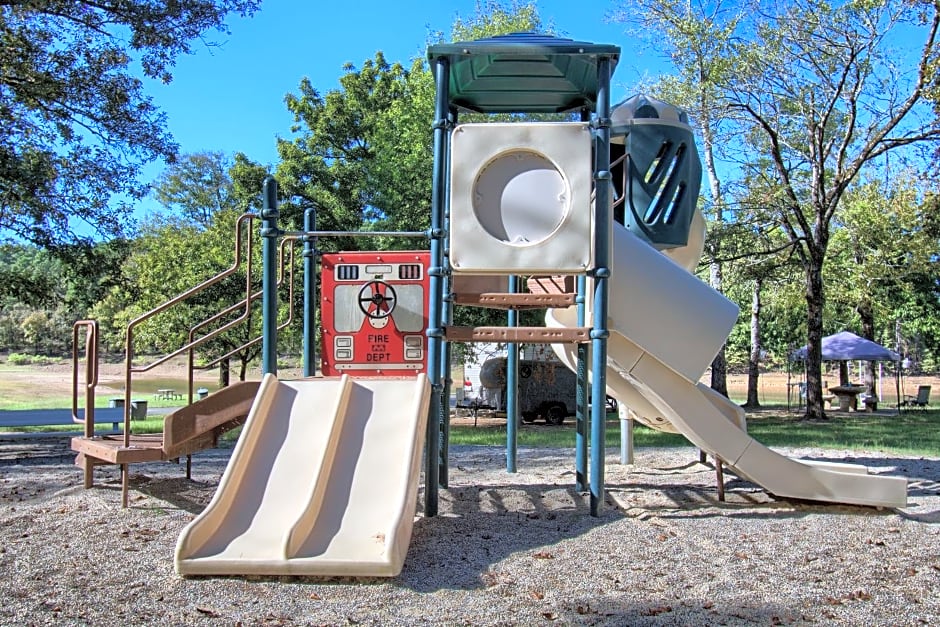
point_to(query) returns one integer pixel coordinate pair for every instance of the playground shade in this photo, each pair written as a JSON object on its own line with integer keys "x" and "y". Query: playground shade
{"x": 323, "y": 481}
{"x": 666, "y": 325}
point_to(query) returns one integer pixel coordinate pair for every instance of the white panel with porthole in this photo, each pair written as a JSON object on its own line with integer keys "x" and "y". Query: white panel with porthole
{"x": 521, "y": 198}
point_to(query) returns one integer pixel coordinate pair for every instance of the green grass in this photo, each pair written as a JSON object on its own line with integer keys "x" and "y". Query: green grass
{"x": 66, "y": 402}
{"x": 912, "y": 433}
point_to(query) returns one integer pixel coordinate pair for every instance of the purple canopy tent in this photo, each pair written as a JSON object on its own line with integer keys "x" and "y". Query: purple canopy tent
{"x": 846, "y": 346}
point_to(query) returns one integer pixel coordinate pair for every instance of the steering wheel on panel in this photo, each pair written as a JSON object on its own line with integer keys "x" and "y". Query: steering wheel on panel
{"x": 377, "y": 299}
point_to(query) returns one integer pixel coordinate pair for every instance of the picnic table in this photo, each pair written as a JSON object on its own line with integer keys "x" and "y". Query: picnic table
{"x": 848, "y": 395}
{"x": 168, "y": 394}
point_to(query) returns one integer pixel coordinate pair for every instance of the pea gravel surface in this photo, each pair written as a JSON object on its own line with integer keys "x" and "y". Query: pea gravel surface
{"x": 506, "y": 549}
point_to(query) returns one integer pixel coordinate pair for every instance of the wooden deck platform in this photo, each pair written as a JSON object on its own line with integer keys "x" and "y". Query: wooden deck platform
{"x": 185, "y": 431}
{"x": 110, "y": 449}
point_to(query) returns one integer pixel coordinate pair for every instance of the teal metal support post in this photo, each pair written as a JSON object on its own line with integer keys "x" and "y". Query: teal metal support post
{"x": 310, "y": 293}
{"x": 444, "y": 453}
{"x": 600, "y": 332}
{"x": 435, "y": 330}
{"x": 581, "y": 397}
{"x": 448, "y": 318}
{"x": 512, "y": 386}
{"x": 269, "y": 235}
{"x": 581, "y": 371}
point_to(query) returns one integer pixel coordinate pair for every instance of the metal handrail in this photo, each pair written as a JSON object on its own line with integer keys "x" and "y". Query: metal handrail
{"x": 129, "y": 340}
{"x": 246, "y": 302}
{"x": 91, "y": 373}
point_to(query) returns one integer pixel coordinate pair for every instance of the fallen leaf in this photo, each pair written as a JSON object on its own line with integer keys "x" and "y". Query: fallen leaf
{"x": 207, "y": 611}
{"x": 656, "y": 610}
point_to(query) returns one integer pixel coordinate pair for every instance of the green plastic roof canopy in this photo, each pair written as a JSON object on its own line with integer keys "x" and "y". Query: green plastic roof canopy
{"x": 523, "y": 72}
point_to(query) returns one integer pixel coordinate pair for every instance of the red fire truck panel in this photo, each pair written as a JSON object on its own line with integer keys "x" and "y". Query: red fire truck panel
{"x": 374, "y": 312}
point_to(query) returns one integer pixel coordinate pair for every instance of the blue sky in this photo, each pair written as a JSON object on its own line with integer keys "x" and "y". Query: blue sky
{"x": 231, "y": 98}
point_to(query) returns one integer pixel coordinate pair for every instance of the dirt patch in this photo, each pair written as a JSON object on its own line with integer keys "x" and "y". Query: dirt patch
{"x": 40, "y": 385}
{"x": 505, "y": 549}
{"x": 54, "y": 382}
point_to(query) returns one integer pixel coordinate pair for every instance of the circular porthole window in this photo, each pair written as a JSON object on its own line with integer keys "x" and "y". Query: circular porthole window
{"x": 520, "y": 197}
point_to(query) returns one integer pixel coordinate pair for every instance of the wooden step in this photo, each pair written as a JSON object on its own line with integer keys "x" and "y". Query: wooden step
{"x": 526, "y": 335}
{"x": 502, "y": 300}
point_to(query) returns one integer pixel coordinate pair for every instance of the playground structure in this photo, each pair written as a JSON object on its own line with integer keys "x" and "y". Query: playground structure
{"x": 323, "y": 480}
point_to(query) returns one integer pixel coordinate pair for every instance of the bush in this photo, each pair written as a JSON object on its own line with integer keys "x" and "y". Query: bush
{"x": 22, "y": 359}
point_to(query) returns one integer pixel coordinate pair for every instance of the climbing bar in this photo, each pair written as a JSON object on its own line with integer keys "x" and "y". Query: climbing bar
{"x": 424, "y": 234}
{"x": 526, "y": 335}
{"x": 498, "y": 300}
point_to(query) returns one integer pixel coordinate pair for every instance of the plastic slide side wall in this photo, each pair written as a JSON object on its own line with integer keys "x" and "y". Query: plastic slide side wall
{"x": 656, "y": 380}
{"x": 323, "y": 482}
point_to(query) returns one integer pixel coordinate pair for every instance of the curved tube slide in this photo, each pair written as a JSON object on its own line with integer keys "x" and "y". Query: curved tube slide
{"x": 666, "y": 327}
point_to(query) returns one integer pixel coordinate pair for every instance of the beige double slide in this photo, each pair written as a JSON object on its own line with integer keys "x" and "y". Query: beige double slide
{"x": 323, "y": 481}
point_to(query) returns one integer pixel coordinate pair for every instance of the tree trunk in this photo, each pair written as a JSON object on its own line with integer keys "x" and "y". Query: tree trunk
{"x": 815, "y": 300}
{"x": 243, "y": 369}
{"x": 869, "y": 375}
{"x": 719, "y": 376}
{"x": 844, "y": 373}
{"x": 719, "y": 370}
{"x": 225, "y": 371}
{"x": 753, "y": 364}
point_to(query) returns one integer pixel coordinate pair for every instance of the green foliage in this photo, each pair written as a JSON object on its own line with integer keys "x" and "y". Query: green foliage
{"x": 197, "y": 185}
{"x": 492, "y": 18}
{"x": 330, "y": 163}
{"x": 194, "y": 241}
{"x": 23, "y": 359}
{"x": 75, "y": 123}
{"x": 814, "y": 95}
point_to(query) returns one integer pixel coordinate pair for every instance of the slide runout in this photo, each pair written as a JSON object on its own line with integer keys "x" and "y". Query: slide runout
{"x": 238, "y": 523}
{"x": 697, "y": 416}
{"x": 403, "y": 521}
{"x": 372, "y": 491}
{"x": 376, "y": 472}
{"x": 346, "y": 505}
{"x": 317, "y": 486}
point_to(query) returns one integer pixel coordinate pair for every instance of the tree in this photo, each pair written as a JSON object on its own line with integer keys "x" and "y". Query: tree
{"x": 329, "y": 163}
{"x": 362, "y": 153}
{"x": 197, "y": 185}
{"x": 75, "y": 123}
{"x": 178, "y": 250}
{"x": 698, "y": 41}
{"x": 821, "y": 92}
{"x": 822, "y": 98}
{"x": 884, "y": 239}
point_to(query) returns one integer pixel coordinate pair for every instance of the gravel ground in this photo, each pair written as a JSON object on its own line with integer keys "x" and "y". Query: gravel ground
{"x": 506, "y": 549}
